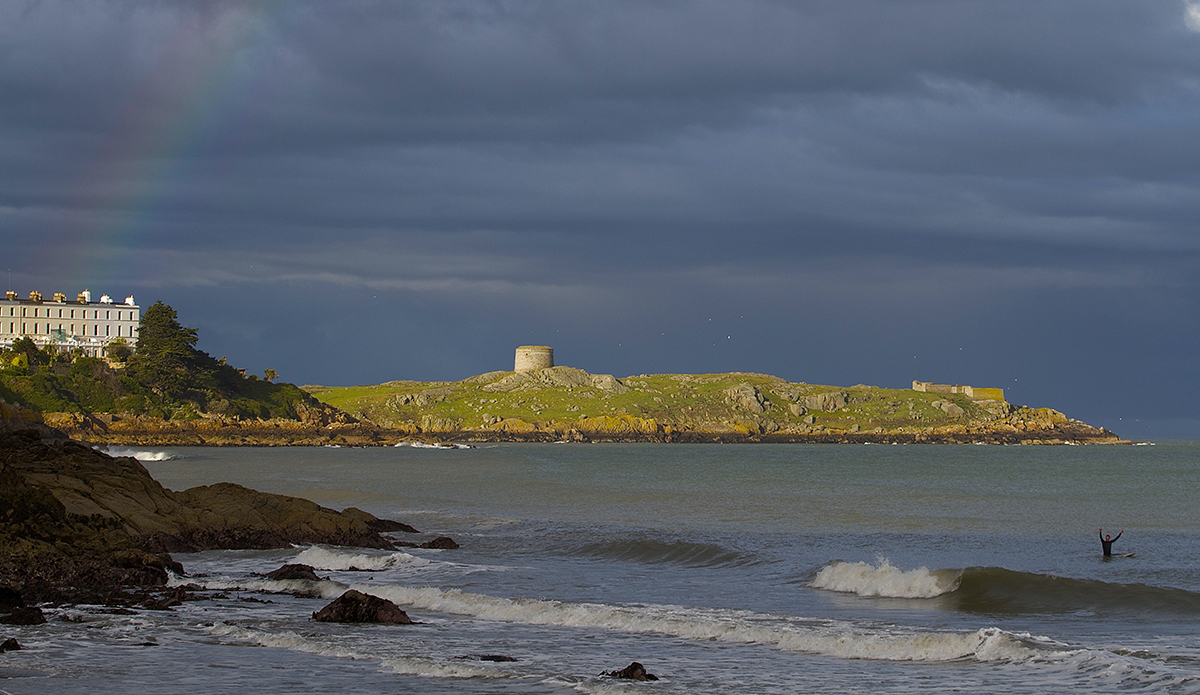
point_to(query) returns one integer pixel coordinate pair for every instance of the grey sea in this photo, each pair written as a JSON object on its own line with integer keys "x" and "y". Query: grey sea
{"x": 723, "y": 569}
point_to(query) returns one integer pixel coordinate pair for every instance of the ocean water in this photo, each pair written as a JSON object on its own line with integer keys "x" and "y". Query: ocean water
{"x": 723, "y": 569}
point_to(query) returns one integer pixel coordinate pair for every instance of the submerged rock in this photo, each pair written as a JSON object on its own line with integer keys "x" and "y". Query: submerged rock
{"x": 357, "y": 607}
{"x": 441, "y": 543}
{"x": 634, "y": 672}
{"x": 498, "y": 658}
{"x": 11, "y": 645}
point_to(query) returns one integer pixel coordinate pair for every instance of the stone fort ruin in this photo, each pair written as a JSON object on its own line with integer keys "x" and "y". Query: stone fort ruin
{"x": 531, "y": 357}
{"x": 968, "y": 391}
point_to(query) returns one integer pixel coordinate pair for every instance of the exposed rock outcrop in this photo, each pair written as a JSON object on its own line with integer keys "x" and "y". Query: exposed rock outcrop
{"x": 747, "y": 397}
{"x": 294, "y": 571}
{"x": 357, "y": 607}
{"x": 73, "y": 519}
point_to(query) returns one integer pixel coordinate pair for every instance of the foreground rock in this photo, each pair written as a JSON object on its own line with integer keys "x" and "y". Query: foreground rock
{"x": 28, "y": 615}
{"x": 77, "y": 525}
{"x": 633, "y": 672}
{"x": 357, "y": 607}
{"x": 294, "y": 571}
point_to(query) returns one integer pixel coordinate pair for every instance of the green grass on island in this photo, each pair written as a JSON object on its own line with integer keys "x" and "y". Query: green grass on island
{"x": 564, "y": 398}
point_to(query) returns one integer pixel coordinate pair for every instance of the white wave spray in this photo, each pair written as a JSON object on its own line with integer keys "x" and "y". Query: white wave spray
{"x": 883, "y": 580}
{"x": 140, "y": 455}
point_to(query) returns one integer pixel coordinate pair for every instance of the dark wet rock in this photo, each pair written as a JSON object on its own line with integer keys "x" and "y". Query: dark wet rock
{"x": 498, "y": 658}
{"x": 294, "y": 571}
{"x": 27, "y": 615}
{"x": 376, "y": 524}
{"x": 441, "y": 543}
{"x": 168, "y": 600}
{"x": 10, "y": 645}
{"x": 79, "y": 526}
{"x": 10, "y": 599}
{"x": 357, "y": 607}
{"x": 634, "y": 672}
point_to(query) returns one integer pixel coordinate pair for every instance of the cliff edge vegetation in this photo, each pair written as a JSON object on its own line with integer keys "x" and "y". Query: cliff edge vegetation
{"x": 558, "y": 403}
{"x": 165, "y": 384}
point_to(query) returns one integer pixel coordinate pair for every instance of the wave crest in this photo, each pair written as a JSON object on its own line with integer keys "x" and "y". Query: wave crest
{"x": 996, "y": 590}
{"x": 883, "y": 580}
{"x": 330, "y": 559}
{"x": 118, "y": 452}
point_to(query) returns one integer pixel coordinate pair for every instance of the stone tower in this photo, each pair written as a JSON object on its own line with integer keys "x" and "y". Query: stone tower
{"x": 530, "y": 357}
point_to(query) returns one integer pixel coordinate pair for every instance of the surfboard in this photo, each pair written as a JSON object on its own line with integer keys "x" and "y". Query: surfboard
{"x": 1127, "y": 555}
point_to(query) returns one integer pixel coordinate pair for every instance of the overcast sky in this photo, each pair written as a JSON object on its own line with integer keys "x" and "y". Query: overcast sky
{"x": 832, "y": 191}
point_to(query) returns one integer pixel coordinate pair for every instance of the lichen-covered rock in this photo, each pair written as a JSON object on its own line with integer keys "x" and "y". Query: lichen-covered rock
{"x": 951, "y": 409}
{"x": 357, "y": 607}
{"x": 747, "y": 397}
{"x": 828, "y": 402}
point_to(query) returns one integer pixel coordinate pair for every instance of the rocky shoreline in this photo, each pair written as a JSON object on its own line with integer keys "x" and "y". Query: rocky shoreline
{"x": 79, "y": 526}
{"x": 271, "y": 433}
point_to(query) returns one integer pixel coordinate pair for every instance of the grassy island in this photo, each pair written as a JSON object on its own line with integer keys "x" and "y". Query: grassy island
{"x": 564, "y": 403}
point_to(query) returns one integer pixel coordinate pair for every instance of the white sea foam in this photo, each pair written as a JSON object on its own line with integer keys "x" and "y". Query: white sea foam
{"x": 329, "y": 559}
{"x": 990, "y": 644}
{"x": 337, "y": 647}
{"x": 738, "y": 627}
{"x": 140, "y": 455}
{"x": 322, "y": 587}
{"x": 883, "y": 580}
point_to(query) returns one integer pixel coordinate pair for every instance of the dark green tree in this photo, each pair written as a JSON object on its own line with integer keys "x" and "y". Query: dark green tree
{"x": 166, "y": 359}
{"x": 119, "y": 350}
{"x": 24, "y": 346}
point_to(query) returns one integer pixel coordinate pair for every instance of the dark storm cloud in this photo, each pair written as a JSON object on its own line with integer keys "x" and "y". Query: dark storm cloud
{"x": 893, "y": 177}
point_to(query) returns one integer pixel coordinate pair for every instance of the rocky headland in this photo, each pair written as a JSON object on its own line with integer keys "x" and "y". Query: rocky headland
{"x": 77, "y": 525}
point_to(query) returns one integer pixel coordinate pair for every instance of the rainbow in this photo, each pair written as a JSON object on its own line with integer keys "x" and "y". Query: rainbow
{"x": 204, "y": 71}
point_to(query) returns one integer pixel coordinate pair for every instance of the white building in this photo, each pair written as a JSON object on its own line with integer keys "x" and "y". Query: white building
{"x": 84, "y": 324}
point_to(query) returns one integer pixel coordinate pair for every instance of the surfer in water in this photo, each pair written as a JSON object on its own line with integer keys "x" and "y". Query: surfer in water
{"x": 1107, "y": 542}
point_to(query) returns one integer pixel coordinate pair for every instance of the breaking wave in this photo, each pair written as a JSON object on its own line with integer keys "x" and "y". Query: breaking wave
{"x": 788, "y": 634}
{"x": 883, "y": 580}
{"x": 996, "y": 590}
{"x": 332, "y": 646}
{"x": 329, "y": 559}
{"x": 140, "y": 455}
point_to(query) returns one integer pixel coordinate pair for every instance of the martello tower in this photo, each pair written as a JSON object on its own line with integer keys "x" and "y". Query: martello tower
{"x": 530, "y": 357}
